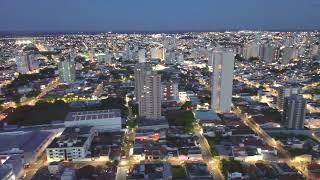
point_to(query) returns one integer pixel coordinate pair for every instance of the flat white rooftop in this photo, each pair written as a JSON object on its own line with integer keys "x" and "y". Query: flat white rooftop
{"x": 93, "y": 115}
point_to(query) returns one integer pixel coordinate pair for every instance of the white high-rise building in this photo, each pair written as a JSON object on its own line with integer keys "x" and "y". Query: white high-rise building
{"x": 222, "y": 80}
{"x": 67, "y": 70}
{"x": 142, "y": 55}
{"x": 268, "y": 53}
{"x": 148, "y": 91}
{"x": 252, "y": 50}
{"x": 26, "y": 62}
{"x": 314, "y": 50}
{"x": 288, "y": 54}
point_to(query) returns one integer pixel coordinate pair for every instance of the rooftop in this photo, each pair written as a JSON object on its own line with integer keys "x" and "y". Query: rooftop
{"x": 206, "y": 114}
{"x": 197, "y": 169}
{"x": 4, "y": 171}
{"x": 72, "y": 137}
{"x": 93, "y": 115}
{"x": 27, "y": 141}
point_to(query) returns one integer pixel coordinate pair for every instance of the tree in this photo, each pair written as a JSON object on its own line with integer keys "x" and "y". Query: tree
{"x": 230, "y": 166}
{"x": 186, "y": 105}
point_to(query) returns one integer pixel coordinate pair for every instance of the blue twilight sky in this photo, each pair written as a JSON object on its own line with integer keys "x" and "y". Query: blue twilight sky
{"x": 157, "y": 15}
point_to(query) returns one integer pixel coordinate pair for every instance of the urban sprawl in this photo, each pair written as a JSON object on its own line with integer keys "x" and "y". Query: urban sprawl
{"x": 214, "y": 105}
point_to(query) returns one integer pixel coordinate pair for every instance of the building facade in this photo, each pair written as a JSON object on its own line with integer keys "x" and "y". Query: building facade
{"x": 72, "y": 144}
{"x": 148, "y": 91}
{"x": 142, "y": 56}
{"x": 221, "y": 80}
{"x": 268, "y": 53}
{"x": 26, "y": 63}
{"x": 67, "y": 70}
{"x": 284, "y": 92}
{"x": 294, "y": 112}
{"x": 169, "y": 91}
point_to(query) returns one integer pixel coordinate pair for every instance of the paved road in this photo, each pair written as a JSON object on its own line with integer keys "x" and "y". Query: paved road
{"x": 50, "y": 86}
{"x": 270, "y": 141}
{"x": 35, "y": 166}
{"x": 213, "y": 164}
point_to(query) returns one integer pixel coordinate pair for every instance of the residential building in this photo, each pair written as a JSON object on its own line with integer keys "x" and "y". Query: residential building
{"x": 197, "y": 170}
{"x": 288, "y": 54}
{"x": 148, "y": 91}
{"x": 157, "y": 53}
{"x": 294, "y": 112}
{"x": 286, "y": 91}
{"x": 268, "y": 53}
{"x": 252, "y": 50}
{"x": 67, "y": 70}
{"x": 169, "y": 91}
{"x": 142, "y": 56}
{"x": 72, "y": 144}
{"x": 222, "y": 80}
{"x": 146, "y": 170}
{"x": 26, "y": 62}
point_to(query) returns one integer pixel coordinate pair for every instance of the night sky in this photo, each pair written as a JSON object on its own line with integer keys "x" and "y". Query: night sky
{"x": 161, "y": 15}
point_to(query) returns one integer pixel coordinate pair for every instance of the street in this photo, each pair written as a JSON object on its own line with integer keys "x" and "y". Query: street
{"x": 213, "y": 164}
{"x": 32, "y": 101}
{"x": 270, "y": 141}
{"x": 50, "y": 86}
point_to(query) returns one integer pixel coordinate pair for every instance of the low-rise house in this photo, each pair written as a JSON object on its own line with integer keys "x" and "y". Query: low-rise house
{"x": 197, "y": 170}
{"x": 157, "y": 171}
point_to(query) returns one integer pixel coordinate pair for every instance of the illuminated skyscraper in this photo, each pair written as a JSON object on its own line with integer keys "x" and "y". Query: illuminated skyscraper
{"x": 26, "y": 62}
{"x": 142, "y": 55}
{"x": 222, "y": 80}
{"x": 294, "y": 112}
{"x": 148, "y": 91}
{"x": 67, "y": 70}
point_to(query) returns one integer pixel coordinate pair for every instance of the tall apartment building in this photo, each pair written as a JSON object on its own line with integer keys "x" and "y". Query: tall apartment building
{"x": 252, "y": 50}
{"x": 26, "y": 62}
{"x": 142, "y": 56}
{"x": 294, "y": 112}
{"x": 148, "y": 91}
{"x": 169, "y": 91}
{"x": 157, "y": 53}
{"x": 268, "y": 53}
{"x": 222, "y": 80}
{"x": 288, "y": 54}
{"x": 67, "y": 70}
{"x": 286, "y": 91}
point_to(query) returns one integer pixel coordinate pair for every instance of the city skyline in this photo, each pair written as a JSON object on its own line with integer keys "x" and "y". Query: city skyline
{"x": 124, "y": 89}
{"x": 144, "y": 15}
